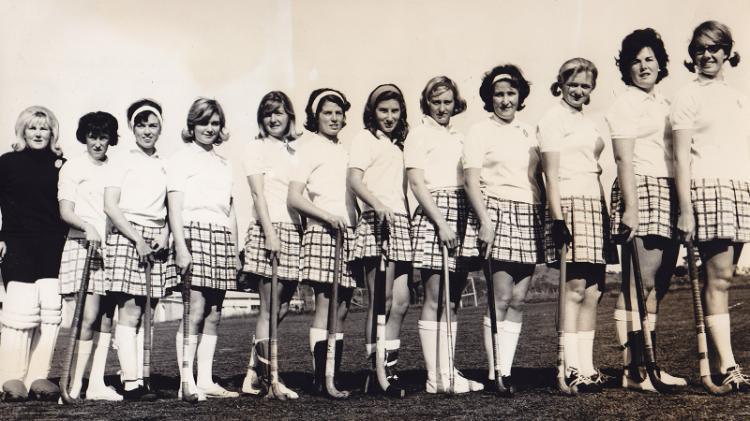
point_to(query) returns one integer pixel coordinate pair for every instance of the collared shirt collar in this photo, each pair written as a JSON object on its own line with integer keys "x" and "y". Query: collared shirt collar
{"x": 704, "y": 81}
{"x": 655, "y": 93}
{"x": 196, "y": 148}
{"x": 382, "y": 136}
{"x": 568, "y": 108}
{"x": 138, "y": 150}
{"x": 437, "y": 126}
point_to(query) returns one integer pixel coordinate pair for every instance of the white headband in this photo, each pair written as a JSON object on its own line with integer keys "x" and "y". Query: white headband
{"x": 320, "y": 96}
{"x": 143, "y": 108}
{"x": 501, "y": 76}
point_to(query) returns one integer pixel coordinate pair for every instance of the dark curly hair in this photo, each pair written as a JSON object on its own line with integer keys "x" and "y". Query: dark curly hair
{"x": 517, "y": 81}
{"x": 311, "y": 123}
{"x": 96, "y": 124}
{"x": 632, "y": 44}
{"x": 370, "y": 119}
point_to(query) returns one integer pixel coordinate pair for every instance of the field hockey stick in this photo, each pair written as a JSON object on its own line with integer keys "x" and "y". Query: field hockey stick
{"x": 333, "y": 304}
{"x": 700, "y": 327}
{"x": 500, "y": 387}
{"x": 562, "y": 386}
{"x": 275, "y": 390}
{"x": 379, "y": 307}
{"x": 648, "y": 347}
{"x": 447, "y": 312}
{"x": 147, "y": 329}
{"x": 75, "y": 330}
{"x": 187, "y": 373}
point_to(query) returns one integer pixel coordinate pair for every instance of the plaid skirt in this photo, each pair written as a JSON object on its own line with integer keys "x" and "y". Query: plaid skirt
{"x": 519, "y": 231}
{"x": 369, "y": 238}
{"x": 72, "y": 264}
{"x": 454, "y": 206}
{"x": 318, "y": 253}
{"x": 722, "y": 209}
{"x": 588, "y": 222}
{"x": 213, "y": 257}
{"x": 125, "y": 271}
{"x": 257, "y": 259}
{"x": 657, "y": 206}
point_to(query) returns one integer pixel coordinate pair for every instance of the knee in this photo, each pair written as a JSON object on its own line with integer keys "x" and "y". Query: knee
{"x": 213, "y": 318}
{"x": 575, "y": 291}
{"x": 399, "y": 307}
{"x": 517, "y": 302}
{"x": 129, "y": 316}
{"x": 723, "y": 273}
{"x": 503, "y": 302}
{"x": 718, "y": 285}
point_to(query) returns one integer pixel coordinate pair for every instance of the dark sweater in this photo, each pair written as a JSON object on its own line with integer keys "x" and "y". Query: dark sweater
{"x": 28, "y": 194}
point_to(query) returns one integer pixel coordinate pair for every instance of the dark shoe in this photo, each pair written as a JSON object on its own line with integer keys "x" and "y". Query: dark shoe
{"x": 391, "y": 373}
{"x": 319, "y": 358}
{"x": 15, "y": 391}
{"x": 44, "y": 390}
{"x": 737, "y": 379}
{"x": 509, "y": 386}
{"x": 603, "y": 380}
{"x": 582, "y": 383}
{"x": 139, "y": 394}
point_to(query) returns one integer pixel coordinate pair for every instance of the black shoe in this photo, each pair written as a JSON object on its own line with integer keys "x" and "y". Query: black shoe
{"x": 139, "y": 394}
{"x": 509, "y": 386}
{"x": 603, "y": 380}
{"x": 44, "y": 390}
{"x": 582, "y": 383}
{"x": 391, "y": 373}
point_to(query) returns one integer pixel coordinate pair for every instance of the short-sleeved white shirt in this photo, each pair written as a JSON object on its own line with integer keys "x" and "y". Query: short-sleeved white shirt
{"x": 566, "y": 130}
{"x": 508, "y": 155}
{"x": 383, "y": 165}
{"x": 644, "y": 118}
{"x": 205, "y": 178}
{"x": 82, "y": 182}
{"x": 142, "y": 181}
{"x": 436, "y": 150}
{"x": 322, "y": 168}
{"x": 719, "y": 117}
{"x": 274, "y": 159}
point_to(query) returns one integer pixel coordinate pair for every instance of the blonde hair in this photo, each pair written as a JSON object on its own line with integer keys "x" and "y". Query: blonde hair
{"x": 30, "y": 114}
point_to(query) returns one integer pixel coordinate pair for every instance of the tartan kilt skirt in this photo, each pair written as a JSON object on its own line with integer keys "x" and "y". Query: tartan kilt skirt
{"x": 722, "y": 209}
{"x": 125, "y": 271}
{"x": 257, "y": 259}
{"x": 318, "y": 255}
{"x": 519, "y": 231}
{"x": 72, "y": 264}
{"x": 369, "y": 238}
{"x": 588, "y": 222}
{"x": 213, "y": 257}
{"x": 657, "y": 206}
{"x": 454, "y": 206}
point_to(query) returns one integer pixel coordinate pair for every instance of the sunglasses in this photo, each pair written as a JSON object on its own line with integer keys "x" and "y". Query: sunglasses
{"x": 712, "y": 49}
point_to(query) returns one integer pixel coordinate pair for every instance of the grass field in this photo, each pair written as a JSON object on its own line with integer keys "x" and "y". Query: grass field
{"x": 533, "y": 372}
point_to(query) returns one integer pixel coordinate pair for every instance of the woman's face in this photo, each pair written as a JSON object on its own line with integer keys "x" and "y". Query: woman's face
{"x": 330, "y": 119}
{"x": 644, "y": 69}
{"x": 276, "y": 122}
{"x": 97, "y": 146}
{"x": 442, "y": 106}
{"x": 206, "y": 133}
{"x": 147, "y": 132}
{"x": 37, "y": 133}
{"x": 709, "y": 57}
{"x": 505, "y": 100}
{"x": 387, "y": 114}
{"x": 576, "y": 90}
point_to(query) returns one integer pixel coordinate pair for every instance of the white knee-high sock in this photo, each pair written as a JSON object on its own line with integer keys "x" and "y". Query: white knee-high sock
{"x": 428, "y": 337}
{"x": 487, "y": 334}
{"x": 99, "y": 361}
{"x": 81, "y": 356}
{"x": 586, "y": 352}
{"x": 508, "y": 343}
{"x": 191, "y": 348}
{"x": 570, "y": 342}
{"x": 719, "y": 326}
{"x": 446, "y": 354}
{"x": 127, "y": 353}
{"x": 316, "y": 335}
{"x": 621, "y": 329}
{"x": 206, "y": 350}
{"x": 139, "y": 338}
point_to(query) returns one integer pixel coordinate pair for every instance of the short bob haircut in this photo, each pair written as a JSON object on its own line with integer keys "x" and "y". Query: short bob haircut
{"x": 200, "y": 113}
{"x": 632, "y": 44}
{"x": 268, "y": 104}
{"x": 370, "y": 119}
{"x": 570, "y": 69}
{"x": 96, "y": 124}
{"x": 517, "y": 81}
{"x": 311, "y": 122}
{"x": 436, "y": 86}
{"x": 37, "y": 114}
{"x": 143, "y": 115}
{"x": 719, "y": 34}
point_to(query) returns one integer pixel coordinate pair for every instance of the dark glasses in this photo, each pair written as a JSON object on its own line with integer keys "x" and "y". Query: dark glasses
{"x": 712, "y": 49}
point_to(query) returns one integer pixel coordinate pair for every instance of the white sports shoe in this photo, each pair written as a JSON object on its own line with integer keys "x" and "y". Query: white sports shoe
{"x": 460, "y": 384}
{"x": 252, "y": 385}
{"x": 199, "y": 392}
{"x": 671, "y": 380}
{"x": 102, "y": 394}
{"x": 216, "y": 391}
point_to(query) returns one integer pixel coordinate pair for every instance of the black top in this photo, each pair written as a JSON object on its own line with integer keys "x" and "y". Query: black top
{"x": 28, "y": 194}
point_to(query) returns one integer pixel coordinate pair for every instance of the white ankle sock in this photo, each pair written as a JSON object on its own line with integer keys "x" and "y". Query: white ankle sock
{"x": 570, "y": 342}
{"x": 99, "y": 362}
{"x": 206, "y": 350}
{"x": 428, "y": 337}
{"x": 586, "y": 352}
{"x": 719, "y": 326}
{"x": 508, "y": 343}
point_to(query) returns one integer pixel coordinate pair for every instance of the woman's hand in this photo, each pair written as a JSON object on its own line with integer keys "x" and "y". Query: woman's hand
{"x": 560, "y": 233}
{"x": 3, "y": 250}
{"x": 143, "y": 249}
{"x": 629, "y": 220}
{"x": 273, "y": 244}
{"x": 384, "y": 213}
{"x": 686, "y": 225}
{"x": 91, "y": 234}
{"x": 336, "y": 222}
{"x": 447, "y": 237}
{"x": 486, "y": 239}
{"x": 183, "y": 260}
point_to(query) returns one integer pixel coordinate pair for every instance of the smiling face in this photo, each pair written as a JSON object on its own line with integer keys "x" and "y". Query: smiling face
{"x": 37, "y": 134}
{"x": 276, "y": 122}
{"x": 147, "y": 133}
{"x": 709, "y": 57}
{"x": 644, "y": 70}
{"x": 97, "y": 146}
{"x": 505, "y": 100}
{"x": 577, "y": 89}
{"x": 207, "y": 132}
{"x": 442, "y": 106}
{"x": 330, "y": 120}
{"x": 387, "y": 114}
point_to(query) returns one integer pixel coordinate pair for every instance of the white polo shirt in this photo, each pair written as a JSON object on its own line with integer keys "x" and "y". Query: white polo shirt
{"x": 644, "y": 118}
{"x": 508, "y": 155}
{"x": 205, "y": 178}
{"x": 273, "y": 159}
{"x": 719, "y": 117}
{"x": 142, "y": 180}
{"x": 82, "y": 182}
{"x": 383, "y": 165}
{"x": 566, "y": 130}
{"x": 322, "y": 168}
{"x": 436, "y": 150}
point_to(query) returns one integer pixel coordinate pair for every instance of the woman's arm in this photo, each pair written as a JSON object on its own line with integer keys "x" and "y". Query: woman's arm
{"x": 297, "y": 201}
{"x": 476, "y": 198}
{"x": 113, "y": 211}
{"x": 623, "y": 151}
{"x": 551, "y": 166}
{"x": 354, "y": 178}
{"x": 235, "y": 237}
{"x": 68, "y": 214}
{"x": 183, "y": 260}
{"x": 424, "y": 198}
{"x": 683, "y": 139}
{"x": 273, "y": 244}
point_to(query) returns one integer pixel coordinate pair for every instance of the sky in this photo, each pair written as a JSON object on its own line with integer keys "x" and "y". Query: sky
{"x": 79, "y": 56}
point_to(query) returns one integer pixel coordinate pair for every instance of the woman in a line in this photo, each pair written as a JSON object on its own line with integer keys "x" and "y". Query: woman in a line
{"x": 275, "y": 231}
{"x": 577, "y": 214}
{"x": 432, "y": 157}
{"x": 81, "y": 196}
{"x": 329, "y": 209}
{"x": 503, "y": 181}
{"x": 135, "y": 196}
{"x": 710, "y": 124}
{"x": 204, "y": 231}
{"x": 377, "y": 177}
{"x": 644, "y": 203}
{"x": 31, "y": 243}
